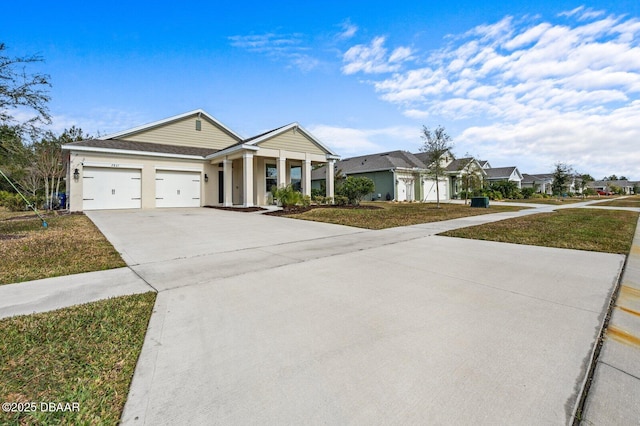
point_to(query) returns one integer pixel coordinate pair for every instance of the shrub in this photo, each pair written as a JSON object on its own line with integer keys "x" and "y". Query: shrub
{"x": 527, "y": 192}
{"x": 305, "y": 200}
{"x": 341, "y": 200}
{"x": 287, "y": 196}
{"x": 13, "y": 202}
{"x": 356, "y": 188}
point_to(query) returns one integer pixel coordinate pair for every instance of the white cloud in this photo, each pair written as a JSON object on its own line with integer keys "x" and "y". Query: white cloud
{"x": 292, "y": 48}
{"x": 348, "y": 30}
{"x": 541, "y": 90}
{"x": 352, "y": 142}
{"x": 373, "y": 58}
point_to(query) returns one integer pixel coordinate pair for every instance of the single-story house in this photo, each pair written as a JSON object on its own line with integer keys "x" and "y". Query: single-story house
{"x": 498, "y": 174}
{"x": 541, "y": 183}
{"x": 607, "y": 185}
{"x": 397, "y": 175}
{"x": 190, "y": 160}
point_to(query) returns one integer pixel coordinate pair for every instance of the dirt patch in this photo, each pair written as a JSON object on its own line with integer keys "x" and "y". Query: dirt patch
{"x": 10, "y": 237}
{"x": 238, "y": 209}
{"x": 298, "y": 210}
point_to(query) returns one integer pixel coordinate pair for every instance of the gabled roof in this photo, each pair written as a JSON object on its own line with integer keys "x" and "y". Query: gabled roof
{"x": 527, "y": 178}
{"x": 383, "y": 161}
{"x": 392, "y": 160}
{"x": 252, "y": 142}
{"x": 140, "y": 148}
{"x": 149, "y": 126}
{"x": 458, "y": 164}
{"x": 502, "y": 172}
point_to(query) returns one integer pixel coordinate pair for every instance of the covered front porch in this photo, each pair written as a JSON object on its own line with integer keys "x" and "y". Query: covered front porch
{"x": 245, "y": 173}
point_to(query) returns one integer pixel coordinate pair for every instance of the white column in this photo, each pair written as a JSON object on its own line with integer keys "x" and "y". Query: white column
{"x": 282, "y": 172}
{"x": 247, "y": 179}
{"x": 306, "y": 177}
{"x": 228, "y": 182}
{"x": 329, "y": 179}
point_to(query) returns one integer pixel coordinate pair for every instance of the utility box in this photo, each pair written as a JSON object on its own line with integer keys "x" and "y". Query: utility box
{"x": 480, "y": 202}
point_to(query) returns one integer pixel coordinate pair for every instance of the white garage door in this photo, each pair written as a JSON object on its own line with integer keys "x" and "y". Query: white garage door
{"x": 401, "y": 189}
{"x": 430, "y": 190}
{"x": 177, "y": 189}
{"x": 110, "y": 188}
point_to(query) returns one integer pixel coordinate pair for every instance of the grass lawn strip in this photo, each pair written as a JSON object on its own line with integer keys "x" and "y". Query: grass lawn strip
{"x": 608, "y": 231}
{"x": 396, "y": 214}
{"x": 623, "y": 202}
{"x": 84, "y": 354}
{"x": 70, "y": 245}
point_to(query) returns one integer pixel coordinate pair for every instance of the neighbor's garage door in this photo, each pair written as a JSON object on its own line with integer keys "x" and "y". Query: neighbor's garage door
{"x": 110, "y": 188}
{"x": 177, "y": 189}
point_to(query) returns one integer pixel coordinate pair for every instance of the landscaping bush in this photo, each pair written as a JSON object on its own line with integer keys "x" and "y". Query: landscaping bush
{"x": 341, "y": 200}
{"x": 355, "y": 189}
{"x": 287, "y": 196}
{"x": 527, "y": 192}
{"x": 13, "y": 202}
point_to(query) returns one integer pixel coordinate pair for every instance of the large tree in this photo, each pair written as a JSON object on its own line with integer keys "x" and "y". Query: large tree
{"x": 436, "y": 143}
{"x": 21, "y": 90}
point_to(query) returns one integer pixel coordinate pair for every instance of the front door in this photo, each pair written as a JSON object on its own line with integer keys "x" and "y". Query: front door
{"x": 221, "y": 187}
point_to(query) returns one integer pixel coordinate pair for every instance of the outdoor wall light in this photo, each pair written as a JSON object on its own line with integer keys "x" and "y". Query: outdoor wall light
{"x": 206, "y": 177}
{"x": 76, "y": 174}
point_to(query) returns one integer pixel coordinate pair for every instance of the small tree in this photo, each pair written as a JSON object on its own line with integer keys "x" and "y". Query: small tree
{"x": 561, "y": 178}
{"x": 436, "y": 144}
{"x": 356, "y": 188}
{"x": 584, "y": 180}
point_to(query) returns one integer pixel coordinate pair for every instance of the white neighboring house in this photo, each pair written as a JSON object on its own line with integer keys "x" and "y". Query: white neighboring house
{"x": 541, "y": 183}
{"x": 190, "y": 160}
{"x": 498, "y": 174}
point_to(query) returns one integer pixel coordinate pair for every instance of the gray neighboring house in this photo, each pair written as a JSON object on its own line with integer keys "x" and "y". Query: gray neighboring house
{"x": 397, "y": 175}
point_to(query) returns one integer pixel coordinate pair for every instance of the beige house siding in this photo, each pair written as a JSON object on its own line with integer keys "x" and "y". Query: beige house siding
{"x": 292, "y": 140}
{"x": 184, "y": 133}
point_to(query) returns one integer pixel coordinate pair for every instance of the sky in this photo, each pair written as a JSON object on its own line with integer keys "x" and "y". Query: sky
{"x": 518, "y": 83}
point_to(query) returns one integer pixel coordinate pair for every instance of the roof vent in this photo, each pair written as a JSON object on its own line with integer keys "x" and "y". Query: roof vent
{"x": 198, "y": 125}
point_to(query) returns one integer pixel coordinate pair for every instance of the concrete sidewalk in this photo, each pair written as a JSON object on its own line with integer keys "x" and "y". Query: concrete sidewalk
{"x": 60, "y": 292}
{"x": 614, "y": 397}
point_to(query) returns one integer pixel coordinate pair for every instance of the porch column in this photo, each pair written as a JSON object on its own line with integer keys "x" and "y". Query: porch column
{"x": 329, "y": 180}
{"x": 228, "y": 184}
{"x": 247, "y": 179}
{"x": 306, "y": 177}
{"x": 282, "y": 172}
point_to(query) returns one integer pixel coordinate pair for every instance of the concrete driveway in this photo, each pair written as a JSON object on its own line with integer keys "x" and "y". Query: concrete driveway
{"x": 267, "y": 320}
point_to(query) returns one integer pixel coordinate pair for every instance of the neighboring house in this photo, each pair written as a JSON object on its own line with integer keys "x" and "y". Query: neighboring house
{"x": 461, "y": 168}
{"x": 541, "y": 183}
{"x": 397, "y": 175}
{"x": 606, "y": 185}
{"x": 190, "y": 160}
{"x": 498, "y": 174}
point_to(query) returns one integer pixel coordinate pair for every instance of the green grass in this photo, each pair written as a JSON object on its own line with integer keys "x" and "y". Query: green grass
{"x": 609, "y": 231}
{"x": 395, "y": 214}
{"x": 84, "y": 354}
{"x": 71, "y": 244}
{"x": 633, "y": 201}
{"x": 551, "y": 201}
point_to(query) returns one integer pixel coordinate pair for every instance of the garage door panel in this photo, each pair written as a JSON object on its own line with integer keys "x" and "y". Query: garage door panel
{"x": 177, "y": 189}
{"x": 107, "y": 188}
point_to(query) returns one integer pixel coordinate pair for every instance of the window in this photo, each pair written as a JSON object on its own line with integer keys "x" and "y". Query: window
{"x": 296, "y": 177}
{"x": 198, "y": 125}
{"x": 272, "y": 176}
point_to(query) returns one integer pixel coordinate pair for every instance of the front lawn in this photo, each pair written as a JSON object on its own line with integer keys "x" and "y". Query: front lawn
{"x": 71, "y": 244}
{"x": 633, "y": 201}
{"x": 395, "y": 214}
{"x": 84, "y": 354}
{"x": 609, "y": 231}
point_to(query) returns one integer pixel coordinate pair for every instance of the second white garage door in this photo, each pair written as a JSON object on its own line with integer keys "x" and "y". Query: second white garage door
{"x": 177, "y": 189}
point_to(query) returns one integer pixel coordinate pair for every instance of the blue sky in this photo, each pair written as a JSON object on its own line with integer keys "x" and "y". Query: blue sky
{"x": 526, "y": 83}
